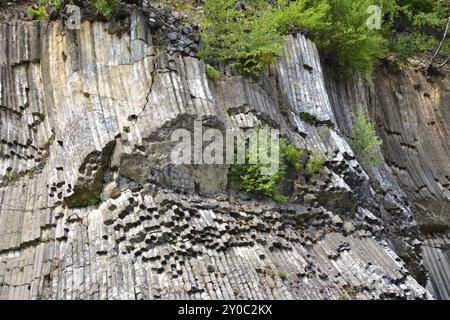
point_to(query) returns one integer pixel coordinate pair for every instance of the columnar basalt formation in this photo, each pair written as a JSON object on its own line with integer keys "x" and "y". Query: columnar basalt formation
{"x": 91, "y": 207}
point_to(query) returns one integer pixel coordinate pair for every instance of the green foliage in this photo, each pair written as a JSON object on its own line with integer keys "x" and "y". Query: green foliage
{"x": 305, "y": 15}
{"x": 252, "y": 38}
{"x": 250, "y": 178}
{"x": 212, "y": 72}
{"x": 345, "y": 40}
{"x": 345, "y": 296}
{"x": 416, "y": 27}
{"x": 316, "y": 162}
{"x": 308, "y": 118}
{"x": 365, "y": 139}
{"x": 45, "y": 7}
{"x": 126, "y": 129}
{"x": 248, "y": 39}
{"x": 75, "y": 202}
{"x": 10, "y": 175}
{"x": 30, "y": 172}
{"x": 107, "y": 8}
{"x": 57, "y": 5}
{"x": 249, "y": 175}
{"x": 291, "y": 154}
{"x": 38, "y": 14}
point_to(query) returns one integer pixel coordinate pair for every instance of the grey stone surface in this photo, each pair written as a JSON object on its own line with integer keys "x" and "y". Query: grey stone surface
{"x": 96, "y": 210}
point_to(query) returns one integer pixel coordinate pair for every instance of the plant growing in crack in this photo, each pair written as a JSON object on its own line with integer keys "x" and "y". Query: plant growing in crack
{"x": 316, "y": 162}
{"x": 365, "y": 139}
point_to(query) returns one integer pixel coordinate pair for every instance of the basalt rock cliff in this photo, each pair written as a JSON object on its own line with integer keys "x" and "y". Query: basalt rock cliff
{"x": 91, "y": 207}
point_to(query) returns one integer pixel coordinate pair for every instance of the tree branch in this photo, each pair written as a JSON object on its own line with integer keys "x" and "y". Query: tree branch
{"x": 440, "y": 44}
{"x": 443, "y": 63}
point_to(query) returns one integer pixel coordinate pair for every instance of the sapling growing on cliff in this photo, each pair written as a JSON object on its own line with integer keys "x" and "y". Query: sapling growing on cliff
{"x": 316, "y": 162}
{"x": 364, "y": 139}
{"x": 212, "y": 72}
{"x": 107, "y": 8}
{"x": 38, "y": 13}
{"x": 249, "y": 175}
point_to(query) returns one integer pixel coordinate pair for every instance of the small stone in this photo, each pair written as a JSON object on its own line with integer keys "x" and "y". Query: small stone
{"x": 337, "y": 221}
{"x": 172, "y": 36}
{"x": 348, "y": 227}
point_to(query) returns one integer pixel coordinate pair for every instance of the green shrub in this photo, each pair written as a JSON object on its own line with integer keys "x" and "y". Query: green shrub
{"x": 10, "y": 175}
{"x": 251, "y": 180}
{"x": 316, "y": 162}
{"x": 291, "y": 154}
{"x": 252, "y": 38}
{"x": 31, "y": 171}
{"x": 212, "y": 72}
{"x": 345, "y": 296}
{"x": 308, "y": 118}
{"x": 46, "y": 7}
{"x": 345, "y": 40}
{"x": 38, "y": 14}
{"x": 107, "y": 8}
{"x": 364, "y": 139}
{"x": 248, "y": 39}
{"x": 57, "y": 4}
{"x": 416, "y": 27}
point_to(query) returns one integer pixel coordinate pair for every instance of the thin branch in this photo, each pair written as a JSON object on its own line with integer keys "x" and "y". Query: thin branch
{"x": 443, "y": 63}
{"x": 440, "y": 44}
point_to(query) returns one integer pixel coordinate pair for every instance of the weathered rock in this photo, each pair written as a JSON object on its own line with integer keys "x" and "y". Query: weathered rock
{"x": 96, "y": 112}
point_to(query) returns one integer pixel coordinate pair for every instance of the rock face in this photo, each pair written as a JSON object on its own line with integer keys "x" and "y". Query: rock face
{"x": 412, "y": 116}
{"x": 91, "y": 207}
{"x": 436, "y": 254}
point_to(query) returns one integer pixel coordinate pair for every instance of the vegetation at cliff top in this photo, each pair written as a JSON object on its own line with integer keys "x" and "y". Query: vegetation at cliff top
{"x": 40, "y": 11}
{"x": 212, "y": 72}
{"x": 250, "y": 36}
{"x": 106, "y": 8}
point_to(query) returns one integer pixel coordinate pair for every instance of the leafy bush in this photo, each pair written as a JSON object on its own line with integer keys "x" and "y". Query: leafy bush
{"x": 248, "y": 39}
{"x": 252, "y": 38}
{"x": 365, "y": 139}
{"x": 344, "y": 296}
{"x": 291, "y": 154}
{"x": 38, "y": 14}
{"x": 55, "y": 4}
{"x": 212, "y": 72}
{"x": 249, "y": 175}
{"x": 308, "y": 118}
{"x": 45, "y": 8}
{"x": 251, "y": 180}
{"x": 346, "y": 42}
{"x": 316, "y": 162}
{"x": 416, "y": 27}
{"x": 107, "y": 8}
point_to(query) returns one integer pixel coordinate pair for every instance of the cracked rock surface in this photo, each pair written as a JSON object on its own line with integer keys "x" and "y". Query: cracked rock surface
{"x": 91, "y": 206}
